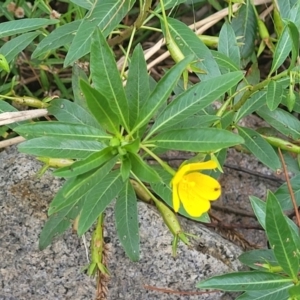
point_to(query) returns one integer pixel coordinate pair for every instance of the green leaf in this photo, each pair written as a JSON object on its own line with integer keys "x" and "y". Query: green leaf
{"x": 87, "y": 4}
{"x": 105, "y": 15}
{"x": 225, "y": 63}
{"x": 20, "y": 26}
{"x": 142, "y": 170}
{"x": 126, "y": 217}
{"x": 282, "y": 50}
{"x": 58, "y": 223}
{"x": 4, "y": 63}
{"x": 245, "y": 25}
{"x": 13, "y": 47}
{"x": 253, "y": 103}
{"x": 274, "y": 95}
{"x": 94, "y": 161}
{"x": 125, "y": 168}
{"x": 161, "y": 93}
{"x": 294, "y": 14}
{"x": 137, "y": 86}
{"x": 200, "y": 140}
{"x": 61, "y": 130}
{"x": 285, "y": 6}
{"x": 280, "y": 237}
{"x": 100, "y": 108}
{"x": 281, "y": 120}
{"x": 106, "y": 77}
{"x": 228, "y": 44}
{"x": 66, "y": 111}
{"x": 294, "y": 36}
{"x": 195, "y": 121}
{"x": 77, "y": 75}
{"x": 259, "y": 208}
{"x": 261, "y": 149}
{"x": 164, "y": 191}
{"x": 294, "y": 292}
{"x": 98, "y": 198}
{"x": 55, "y": 147}
{"x": 245, "y": 281}
{"x": 189, "y": 44}
{"x": 59, "y": 37}
{"x": 283, "y": 194}
{"x": 194, "y": 100}
{"x": 75, "y": 188}
{"x": 257, "y": 257}
{"x": 274, "y": 294}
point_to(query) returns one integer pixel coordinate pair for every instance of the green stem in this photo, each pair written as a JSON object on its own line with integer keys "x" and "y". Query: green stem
{"x": 160, "y": 161}
{"x": 254, "y": 89}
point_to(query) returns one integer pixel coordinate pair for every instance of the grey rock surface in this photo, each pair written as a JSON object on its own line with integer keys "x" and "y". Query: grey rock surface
{"x": 55, "y": 273}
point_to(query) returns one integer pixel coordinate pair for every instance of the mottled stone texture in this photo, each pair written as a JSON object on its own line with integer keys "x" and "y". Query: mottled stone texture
{"x": 55, "y": 273}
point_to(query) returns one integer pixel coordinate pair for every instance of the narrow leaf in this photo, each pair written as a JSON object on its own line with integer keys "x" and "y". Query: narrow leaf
{"x": 228, "y": 43}
{"x": 200, "y": 140}
{"x": 94, "y": 161}
{"x": 245, "y": 25}
{"x": 285, "y": 6}
{"x": 98, "y": 198}
{"x": 55, "y": 147}
{"x": 190, "y": 44}
{"x": 100, "y": 108}
{"x": 20, "y": 26}
{"x": 59, "y": 37}
{"x": 225, "y": 63}
{"x": 281, "y": 120}
{"x": 142, "y": 170}
{"x": 76, "y": 188}
{"x": 126, "y": 217}
{"x": 59, "y": 223}
{"x": 137, "y": 86}
{"x": 280, "y": 237}
{"x": 106, "y": 77}
{"x": 282, "y": 50}
{"x": 67, "y": 111}
{"x": 13, "y": 47}
{"x": 283, "y": 194}
{"x": 161, "y": 93}
{"x": 245, "y": 281}
{"x": 105, "y": 15}
{"x": 61, "y": 130}
{"x": 262, "y": 150}
{"x": 274, "y": 95}
{"x": 255, "y": 258}
{"x": 259, "y": 208}
{"x": 77, "y": 75}
{"x": 194, "y": 100}
{"x": 274, "y": 294}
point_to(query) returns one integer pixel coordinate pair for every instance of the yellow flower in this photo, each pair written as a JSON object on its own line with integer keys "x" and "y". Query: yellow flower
{"x": 194, "y": 189}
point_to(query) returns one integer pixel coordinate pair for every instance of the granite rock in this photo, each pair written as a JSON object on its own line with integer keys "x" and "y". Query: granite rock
{"x": 55, "y": 273}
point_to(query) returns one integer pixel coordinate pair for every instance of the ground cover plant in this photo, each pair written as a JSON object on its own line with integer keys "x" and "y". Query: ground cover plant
{"x": 104, "y": 122}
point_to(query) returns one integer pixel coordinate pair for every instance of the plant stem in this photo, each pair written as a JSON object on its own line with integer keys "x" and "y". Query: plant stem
{"x": 254, "y": 89}
{"x": 160, "y": 161}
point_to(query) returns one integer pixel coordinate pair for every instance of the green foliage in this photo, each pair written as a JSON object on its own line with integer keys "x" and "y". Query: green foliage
{"x": 121, "y": 122}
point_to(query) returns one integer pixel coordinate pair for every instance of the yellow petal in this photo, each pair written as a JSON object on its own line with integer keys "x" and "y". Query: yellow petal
{"x": 194, "y": 205}
{"x": 179, "y": 174}
{"x": 175, "y": 198}
{"x": 206, "y": 165}
{"x": 203, "y": 185}
{"x": 196, "y": 208}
